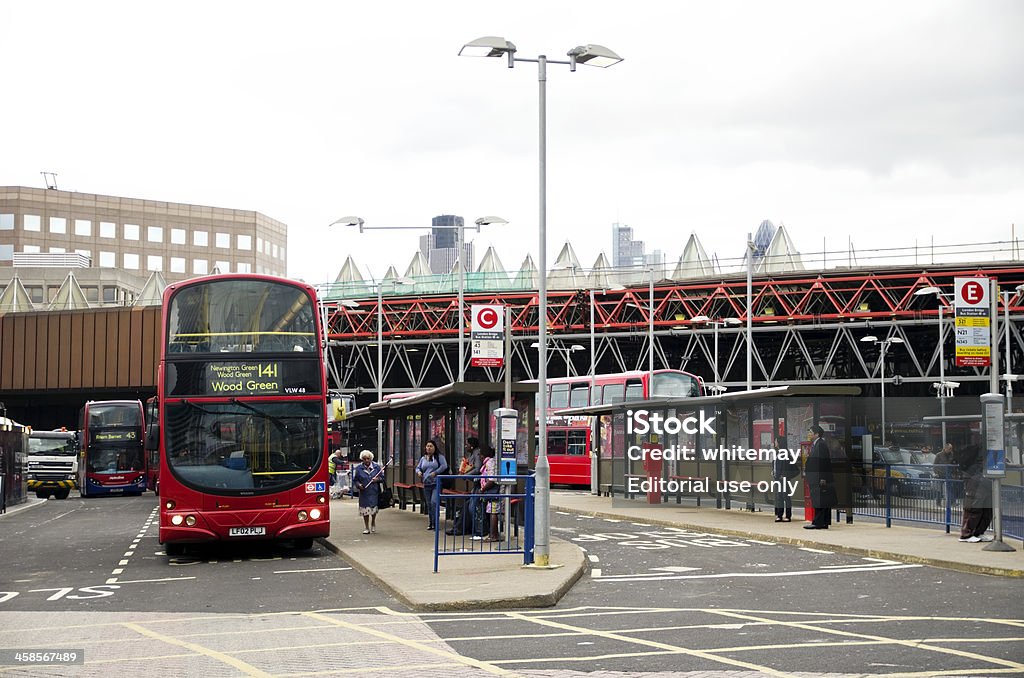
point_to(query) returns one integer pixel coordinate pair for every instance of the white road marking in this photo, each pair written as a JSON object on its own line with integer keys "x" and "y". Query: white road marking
{"x": 150, "y": 581}
{"x": 763, "y": 543}
{"x": 593, "y": 559}
{"x": 596, "y": 573}
{"x": 326, "y": 569}
{"x": 641, "y": 524}
{"x": 810, "y": 550}
{"x": 675, "y": 568}
{"x": 122, "y": 562}
{"x": 741, "y": 575}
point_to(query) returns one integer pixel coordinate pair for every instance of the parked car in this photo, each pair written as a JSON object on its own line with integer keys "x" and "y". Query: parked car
{"x": 911, "y": 476}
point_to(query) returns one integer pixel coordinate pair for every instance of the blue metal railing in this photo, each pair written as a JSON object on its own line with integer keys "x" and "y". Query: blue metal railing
{"x": 920, "y": 493}
{"x": 467, "y": 516}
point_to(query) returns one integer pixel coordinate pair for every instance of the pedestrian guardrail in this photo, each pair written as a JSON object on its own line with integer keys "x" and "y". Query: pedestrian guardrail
{"x": 465, "y": 527}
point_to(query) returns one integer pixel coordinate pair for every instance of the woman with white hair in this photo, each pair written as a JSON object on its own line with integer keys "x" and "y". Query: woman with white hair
{"x": 367, "y": 478}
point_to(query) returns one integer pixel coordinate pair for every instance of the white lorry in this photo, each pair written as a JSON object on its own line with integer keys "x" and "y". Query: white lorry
{"x": 52, "y": 463}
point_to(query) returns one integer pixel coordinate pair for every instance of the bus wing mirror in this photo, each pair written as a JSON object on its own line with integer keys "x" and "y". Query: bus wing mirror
{"x": 153, "y": 438}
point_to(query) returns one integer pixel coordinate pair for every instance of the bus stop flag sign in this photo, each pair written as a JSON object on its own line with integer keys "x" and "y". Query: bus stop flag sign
{"x": 487, "y": 335}
{"x": 972, "y": 322}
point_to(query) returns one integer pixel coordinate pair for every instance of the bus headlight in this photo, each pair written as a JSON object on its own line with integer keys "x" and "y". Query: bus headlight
{"x": 314, "y": 514}
{"x": 303, "y": 516}
{"x": 190, "y": 520}
{"x": 169, "y": 505}
{"x": 321, "y": 499}
{"x": 177, "y": 520}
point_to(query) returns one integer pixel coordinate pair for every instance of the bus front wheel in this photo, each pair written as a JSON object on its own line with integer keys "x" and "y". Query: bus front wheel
{"x": 62, "y": 493}
{"x": 174, "y": 549}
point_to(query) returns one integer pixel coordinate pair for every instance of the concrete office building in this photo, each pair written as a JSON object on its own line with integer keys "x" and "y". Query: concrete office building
{"x": 440, "y": 247}
{"x": 113, "y": 244}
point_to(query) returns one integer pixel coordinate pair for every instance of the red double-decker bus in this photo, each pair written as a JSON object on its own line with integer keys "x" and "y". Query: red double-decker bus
{"x": 111, "y": 456}
{"x": 242, "y": 413}
{"x": 570, "y": 444}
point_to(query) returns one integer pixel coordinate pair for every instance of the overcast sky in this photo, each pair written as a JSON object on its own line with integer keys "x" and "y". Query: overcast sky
{"x": 883, "y": 122}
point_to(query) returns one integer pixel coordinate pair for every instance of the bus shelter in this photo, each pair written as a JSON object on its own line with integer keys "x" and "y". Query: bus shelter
{"x": 449, "y": 415}
{"x": 704, "y": 444}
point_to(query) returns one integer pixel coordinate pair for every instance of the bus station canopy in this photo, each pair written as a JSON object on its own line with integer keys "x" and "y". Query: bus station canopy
{"x": 790, "y": 390}
{"x": 456, "y": 394}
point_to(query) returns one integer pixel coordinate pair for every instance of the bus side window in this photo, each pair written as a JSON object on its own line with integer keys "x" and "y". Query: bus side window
{"x": 634, "y": 390}
{"x": 559, "y": 396}
{"x": 614, "y": 393}
{"x": 578, "y": 396}
{"x": 595, "y": 396}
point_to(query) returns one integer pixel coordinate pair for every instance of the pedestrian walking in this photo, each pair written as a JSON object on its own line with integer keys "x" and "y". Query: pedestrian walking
{"x": 944, "y": 469}
{"x": 431, "y": 464}
{"x": 492, "y": 507}
{"x": 820, "y": 481}
{"x": 977, "y": 496}
{"x": 367, "y": 478}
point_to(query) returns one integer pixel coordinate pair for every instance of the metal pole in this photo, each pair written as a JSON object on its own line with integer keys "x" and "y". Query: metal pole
{"x": 993, "y": 314}
{"x": 508, "y": 358}
{"x": 380, "y": 366}
{"x": 1006, "y": 353}
{"x": 942, "y": 376}
{"x": 592, "y": 352}
{"x": 542, "y": 521}
{"x": 459, "y": 236}
{"x": 717, "y": 379}
{"x": 650, "y": 337}
{"x": 882, "y": 359}
{"x": 750, "y": 304}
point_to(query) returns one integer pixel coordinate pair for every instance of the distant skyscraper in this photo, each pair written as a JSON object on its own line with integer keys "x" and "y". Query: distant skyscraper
{"x": 763, "y": 238}
{"x": 439, "y": 247}
{"x": 626, "y": 252}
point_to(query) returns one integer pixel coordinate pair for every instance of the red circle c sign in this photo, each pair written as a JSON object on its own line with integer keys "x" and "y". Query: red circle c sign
{"x": 487, "y": 318}
{"x": 972, "y": 292}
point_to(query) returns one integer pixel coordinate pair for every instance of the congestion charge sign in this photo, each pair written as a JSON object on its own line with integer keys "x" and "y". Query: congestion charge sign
{"x": 243, "y": 378}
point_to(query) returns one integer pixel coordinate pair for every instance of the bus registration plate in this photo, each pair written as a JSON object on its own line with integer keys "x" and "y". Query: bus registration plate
{"x": 247, "y": 531}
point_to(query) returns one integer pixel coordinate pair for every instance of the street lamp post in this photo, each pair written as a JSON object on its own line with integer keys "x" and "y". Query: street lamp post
{"x": 459, "y": 237}
{"x": 884, "y": 344}
{"x": 943, "y": 388}
{"x": 591, "y": 55}
{"x": 750, "y": 310}
{"x": 380, "y": 351}
{"x": 719, "y": 322}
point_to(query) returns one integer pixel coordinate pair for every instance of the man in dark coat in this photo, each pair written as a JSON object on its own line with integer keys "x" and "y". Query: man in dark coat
{"x": 820, "y": 481}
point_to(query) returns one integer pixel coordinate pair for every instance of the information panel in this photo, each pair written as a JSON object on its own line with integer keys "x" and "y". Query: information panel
{"x": 487, "y": 334}
{"x": 971, "y": 302}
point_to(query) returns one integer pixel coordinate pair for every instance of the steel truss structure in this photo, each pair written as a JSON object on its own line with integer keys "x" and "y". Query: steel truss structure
{"x": 806, "y": 330}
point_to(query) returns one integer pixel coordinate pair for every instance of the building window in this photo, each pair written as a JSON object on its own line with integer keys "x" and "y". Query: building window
{"x": 154, "y": 263}
{"x": 177, "y": 264}
{"x": 31, "y": 222}
{"x": 108, "y": 260}
{"x": 282, "y": 252}
{"x": 155, "y": 233}
{"x": 177, "y": 236}
{"x": 266, "y": 247}
{"x": 201, "y": 238}
{"x": 259, "y": 244}
{"x": 131, "y": 261}
{"x": 6, "y": 252}
{"x": 31, "y": 249}
{"x": 131, "y": 231}
{"x": 275, "y": 251}
{"x": 244, "y": 267}
{"x": 57, "y": 250}
{"x": 199, "y": 266}
{"x": 108, "y": 229}
{"x": 84, "y": 253}
{"x": 223, "y": 266}
{"x": 6, "y": 222}
{"x": 58, "y": 225}
{"x": 35, "y": 293}
{"x": 223, "y": 240}
{"x": 244, "y": 242}
{"x": 92, "y": 293}
{"x": 83, "y": 227}
{"x": 109, "y": 295}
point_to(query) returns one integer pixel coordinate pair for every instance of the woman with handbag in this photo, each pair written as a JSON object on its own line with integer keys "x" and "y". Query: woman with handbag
{"x": 367, "y": 479}
{"x": 431, "y": 465}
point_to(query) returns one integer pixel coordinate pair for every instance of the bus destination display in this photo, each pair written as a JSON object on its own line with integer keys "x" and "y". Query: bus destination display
{"x": 246, "y": 378}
